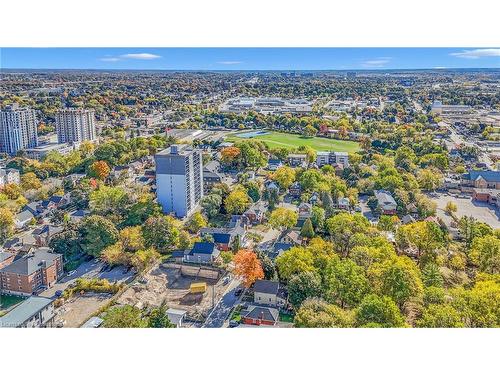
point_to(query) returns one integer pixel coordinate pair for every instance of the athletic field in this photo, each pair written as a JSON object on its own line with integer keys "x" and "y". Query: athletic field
{"x": 292, "y": 141}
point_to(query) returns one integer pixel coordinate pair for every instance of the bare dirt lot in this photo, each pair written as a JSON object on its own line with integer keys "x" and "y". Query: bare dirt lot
{"x": 78, "y": 309}
{"x": 167, "y": 283}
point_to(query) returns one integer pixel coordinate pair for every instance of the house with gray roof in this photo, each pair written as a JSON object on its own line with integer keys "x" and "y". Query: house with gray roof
{"x": 34, "y": 312}
{"x": 386, "y": 202}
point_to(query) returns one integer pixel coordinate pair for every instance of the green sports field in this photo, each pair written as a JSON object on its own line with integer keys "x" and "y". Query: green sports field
{"x": 292, "y": 141}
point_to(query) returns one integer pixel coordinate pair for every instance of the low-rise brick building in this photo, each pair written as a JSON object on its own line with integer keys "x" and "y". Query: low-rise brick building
{"x": 28, "y": 274}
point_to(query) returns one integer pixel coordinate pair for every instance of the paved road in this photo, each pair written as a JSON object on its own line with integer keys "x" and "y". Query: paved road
{"x": 220, "y": 313}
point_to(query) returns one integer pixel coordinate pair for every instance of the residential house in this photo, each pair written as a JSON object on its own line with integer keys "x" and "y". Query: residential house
{"x": 305, "y": 210}
{"x": 343, "y": 203}
{"x": 30, "y": 273}
{"x": 291, "y": 237}
{"x": 60, "y": 201}
{"x": 78, "y": 215}
{"x": 23, "y": 218}
{"x": 271, "y": 185}
{"x": 260, "y": 315}
{"x": 297, "y": 160}
{"x": 224, "y": 237}
{"x": 44, "y": 234}
{"x": 256, "y": 213}
{"x": 202, "y": 252}
{"x": 386, "y": 202}
{"x": 267, "y": 292}
{"x": 274, "y": 164}
{"x": 314, "y": 199}
{"x": 277, "y": 249}
{"x": 210, "y": 178}
{"x": 34, "y": 312}
{"x": 295, "y": 190}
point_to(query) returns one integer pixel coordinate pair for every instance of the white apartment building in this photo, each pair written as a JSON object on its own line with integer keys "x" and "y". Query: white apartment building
{"x": 332, "y": 157}
{"x": 18, "y": 129}
{"x": 75, "y": 125}
{"x": 179, "y": 179}
{"x": 9, "y": 176}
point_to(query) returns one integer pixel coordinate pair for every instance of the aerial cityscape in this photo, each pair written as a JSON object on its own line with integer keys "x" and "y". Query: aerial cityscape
{"x": 245, "y": 188}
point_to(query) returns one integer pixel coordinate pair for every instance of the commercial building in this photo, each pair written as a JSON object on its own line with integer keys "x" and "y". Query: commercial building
{"x": 75, "y": 125}
{"x": 18, "y": 129}
{"x": 42, "y": 150}
{"x": 179, "y": 179}
{"x": 34, "y": 312}
{"x": 450, "y": 110}
{"x": 39, "y": 268}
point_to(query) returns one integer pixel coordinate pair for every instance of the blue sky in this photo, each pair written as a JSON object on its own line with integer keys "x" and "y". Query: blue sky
{"x": 249, "y": 58}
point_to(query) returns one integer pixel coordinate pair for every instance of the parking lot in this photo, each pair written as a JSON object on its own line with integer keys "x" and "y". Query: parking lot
{"x": 466, "y": 207}
{"x": 89, "y": 270}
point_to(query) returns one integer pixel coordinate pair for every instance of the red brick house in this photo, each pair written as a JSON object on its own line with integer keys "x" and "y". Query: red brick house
{"x": 259, "y": 315}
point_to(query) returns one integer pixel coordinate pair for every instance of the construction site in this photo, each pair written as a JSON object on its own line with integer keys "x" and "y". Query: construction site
{"x": 195, "y": 289}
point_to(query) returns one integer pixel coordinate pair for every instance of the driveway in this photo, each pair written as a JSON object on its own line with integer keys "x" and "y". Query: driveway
{"x": 220, "y": 313}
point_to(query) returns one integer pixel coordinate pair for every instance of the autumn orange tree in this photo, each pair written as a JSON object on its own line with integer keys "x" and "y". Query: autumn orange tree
{"x": 229, "y": 155}
{"x": 248, "y": 267}
{"x": 99, "y": 169}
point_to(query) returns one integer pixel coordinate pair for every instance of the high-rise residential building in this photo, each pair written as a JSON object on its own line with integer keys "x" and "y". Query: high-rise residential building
{"x": 75, "y": 125}
{"x": 18, "y": 129}
{"x": 179, "y": 179}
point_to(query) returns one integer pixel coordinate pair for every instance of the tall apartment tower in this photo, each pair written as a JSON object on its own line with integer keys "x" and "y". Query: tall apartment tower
{"x": 18, "y": 129}
{"x": 75, "y": 125}
{"x": 179, "y": 179}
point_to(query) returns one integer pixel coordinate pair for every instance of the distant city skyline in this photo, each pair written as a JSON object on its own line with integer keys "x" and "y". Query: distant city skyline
{"x": 238, "y": 59}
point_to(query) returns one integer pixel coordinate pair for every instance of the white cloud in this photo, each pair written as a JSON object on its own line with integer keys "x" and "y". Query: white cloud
{"x": 440, "y": 67}
{"x": 140, "y": 56}
{"x": 477, "y": 53}
{"x": 109, "y": 59}
{"x": 133, "y": 56}
{"x": 229, "y": 62}
{"x": 376, "y": 63}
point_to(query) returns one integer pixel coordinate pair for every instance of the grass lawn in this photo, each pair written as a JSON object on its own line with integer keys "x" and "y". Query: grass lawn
{"x": 236, "y": 314}
{"x": 287, "y": 318}
{"x": 9, "y": 301}
{"x": 292, "y": 141}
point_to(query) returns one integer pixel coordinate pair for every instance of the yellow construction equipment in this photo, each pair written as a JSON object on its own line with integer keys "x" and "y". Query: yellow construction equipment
{"x": 198, "y": 287}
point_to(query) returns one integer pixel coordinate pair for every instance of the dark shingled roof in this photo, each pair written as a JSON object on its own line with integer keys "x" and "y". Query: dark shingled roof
{"x": 202, "y": 248}
{"x": 266, "y": 286}
{"x": 259, "y": 312}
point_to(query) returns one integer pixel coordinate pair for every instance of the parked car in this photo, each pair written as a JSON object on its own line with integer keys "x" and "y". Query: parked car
{"x": 238, "y": 292}
{"x": 71, "y": 272}
{"x": 233, "y": 323}
{"x": 58, "y": 293}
